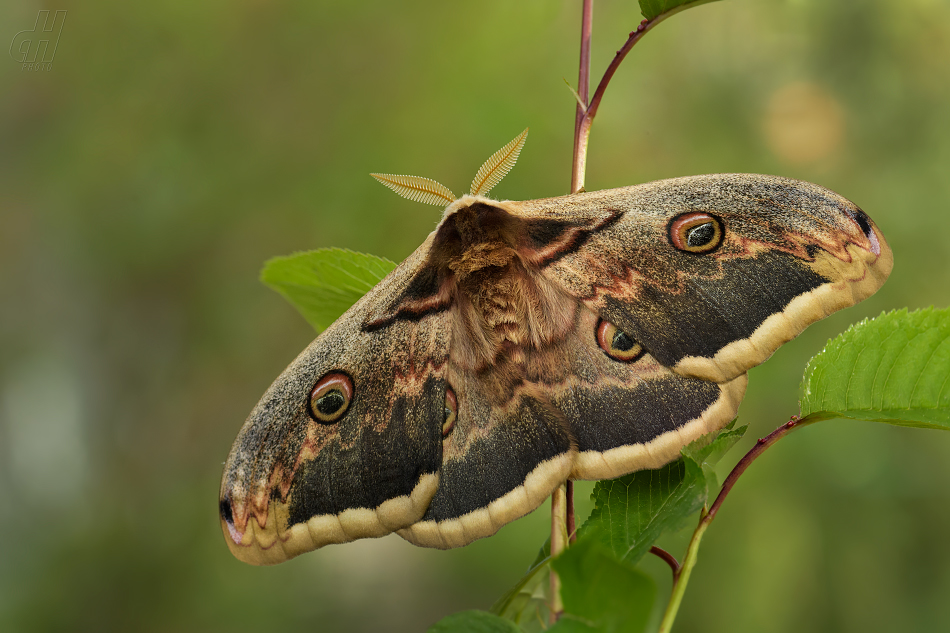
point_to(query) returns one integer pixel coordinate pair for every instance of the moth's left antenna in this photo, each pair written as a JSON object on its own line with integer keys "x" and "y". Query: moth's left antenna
{"x": 418, "y": 189}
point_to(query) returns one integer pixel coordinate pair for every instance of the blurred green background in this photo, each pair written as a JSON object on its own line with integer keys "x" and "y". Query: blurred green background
{"x": 173, "y": 147}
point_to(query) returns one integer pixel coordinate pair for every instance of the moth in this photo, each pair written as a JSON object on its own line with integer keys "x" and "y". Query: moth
{"x": 524, "y": 343}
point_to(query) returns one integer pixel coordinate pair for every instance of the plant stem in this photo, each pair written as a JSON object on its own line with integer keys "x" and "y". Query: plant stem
{"x": 707, "y": 516}
{"x": 679, "y": 585}
{"x": 579, "y": 162}
{"x": 583, "y": 123}
{"x": 562, "y": 501}
{"x": 563, "y": 530}
{"x": 571, "y": 525}
{"x": 747, "y": 459}
{"x": 578, "y": 166}
{"x": 669, "y": 559}
{"x": 558, "y": 545}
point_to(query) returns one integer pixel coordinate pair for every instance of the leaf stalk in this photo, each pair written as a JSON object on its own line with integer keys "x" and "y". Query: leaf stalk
{"x": 669, "y": 559}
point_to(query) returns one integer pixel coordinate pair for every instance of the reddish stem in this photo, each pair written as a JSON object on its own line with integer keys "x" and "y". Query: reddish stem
{"x": 634, "y": 37}
{"x": 585, "y": 117}
{"x": 583, "y": 123}
{"x": 669, "y": 559}
{"x": 689, "y": 560}
{"x": 747, "y": 460}
{"x": 579, "y": 163}
{"x": 583, "y": 85}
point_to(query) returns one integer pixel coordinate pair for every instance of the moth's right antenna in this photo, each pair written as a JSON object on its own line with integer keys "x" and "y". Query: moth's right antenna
{"x": 498, "y": 166}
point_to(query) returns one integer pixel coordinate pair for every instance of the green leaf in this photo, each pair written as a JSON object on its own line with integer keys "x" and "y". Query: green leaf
{"x": 569, "y": 624}
{"x": 653, "y": 8}
{"x": 527, "y": 601}
{"x": 324, "y": 283}
{"x": 474, "y": 621}
{"x": 708, "y": 453}
{"x": 601, "y": 593}
{"x": 894, "y": 368}
{"x": 631, "y": 512}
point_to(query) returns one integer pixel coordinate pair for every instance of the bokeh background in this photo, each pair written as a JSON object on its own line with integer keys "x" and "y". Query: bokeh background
{"x": 173, "y": 147}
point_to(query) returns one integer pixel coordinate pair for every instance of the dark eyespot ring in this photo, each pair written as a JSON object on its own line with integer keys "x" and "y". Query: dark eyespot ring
{"x": 330, "y": 397}
{"x": 451, "y": 412}
{"x": 696, "y": 232}
{"x": 617, "y": 344}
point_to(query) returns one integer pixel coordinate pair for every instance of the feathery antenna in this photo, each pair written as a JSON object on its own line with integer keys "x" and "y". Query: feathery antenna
{"x": 418, "y": 189}
{"x": 498, "y": 166}
{"x": 428, "y": 191}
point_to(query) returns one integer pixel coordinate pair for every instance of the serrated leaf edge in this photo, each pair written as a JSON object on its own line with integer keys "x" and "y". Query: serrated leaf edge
{"x": 814, "y": 367}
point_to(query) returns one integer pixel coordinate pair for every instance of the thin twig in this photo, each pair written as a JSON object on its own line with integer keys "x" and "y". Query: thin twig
{"x": 583, "y": 119}
{"x": 748, "y": 458}
{"x": 579, "y": 162}
{"x": 571, "y": 526}
{"x": 583, "y": 122}
{"x": 669, "y": 559}
{"x": 679, "y": 584}
{"x": 562, "y": 501}
{"x": 558, "y": 545}
{"x": 635, "y": 36}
